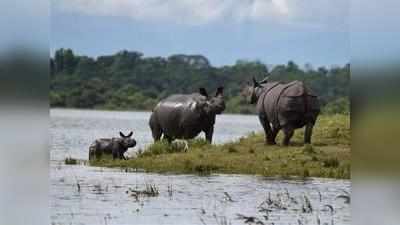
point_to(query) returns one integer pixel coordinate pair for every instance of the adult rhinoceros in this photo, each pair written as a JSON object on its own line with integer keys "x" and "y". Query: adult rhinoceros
{"x": 183, "y": 116}
{"x": 286, "y": 106}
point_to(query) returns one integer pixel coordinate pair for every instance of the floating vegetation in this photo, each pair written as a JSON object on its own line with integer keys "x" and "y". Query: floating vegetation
{"x": 151, "y": 190}
{"x": 221, "y": 220}
{"x": 249, "y": 219}
{"x": 307, "y": 207}
{"x": 228, "y": 197}
{"x": 99, "y": 190}
{"x": 284, "y": 201}
{"x": 345, "y": 196}
{"x": 70, "y": 161}
{"x": 170, "y": 190}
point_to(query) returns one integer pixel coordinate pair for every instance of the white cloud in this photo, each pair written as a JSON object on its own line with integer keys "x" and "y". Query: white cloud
{"x": 198, "y": 12}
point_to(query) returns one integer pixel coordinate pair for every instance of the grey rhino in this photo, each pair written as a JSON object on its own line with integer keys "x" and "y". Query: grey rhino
{"x": 184, "y": 116}
{"x": 286, "y": 106}
{"x": 115, "y": 146}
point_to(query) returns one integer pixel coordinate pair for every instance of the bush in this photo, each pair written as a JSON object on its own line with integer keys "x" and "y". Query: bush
{"x": 70, "y": 161}
{"x": 232, "y": 149}
{"x": 339, "y": 106}
{"x": 205, "y": 169}
{"x": 163, "y": 147}
{"x": 306, "y": 173}
{"x": 308, "y": 149}
{"x": 331, "y": 162}
{"x": 198, "y": 143}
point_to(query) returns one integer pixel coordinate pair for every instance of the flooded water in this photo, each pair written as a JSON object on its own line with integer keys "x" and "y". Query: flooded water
{"x": 72, "y": 131}
{"x": 89, "y": 195}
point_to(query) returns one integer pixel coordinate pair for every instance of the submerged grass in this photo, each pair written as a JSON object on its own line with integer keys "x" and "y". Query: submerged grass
{"x": 328, "y": 156}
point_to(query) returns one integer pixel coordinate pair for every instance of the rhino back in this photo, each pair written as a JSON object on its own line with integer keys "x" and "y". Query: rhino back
{"x": 104, "y": 144}
{"x": 177, "y": 113}
{"x": 291, "y": 103}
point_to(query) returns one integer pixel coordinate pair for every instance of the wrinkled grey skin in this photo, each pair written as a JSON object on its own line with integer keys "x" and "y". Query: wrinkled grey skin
{"x": 185, "y": 116}
{"x": 116, "y": 146}
{"x": 284, "y": 106}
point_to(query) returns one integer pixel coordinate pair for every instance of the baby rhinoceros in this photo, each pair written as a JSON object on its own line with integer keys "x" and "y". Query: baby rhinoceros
{"x": 115, "y": 146}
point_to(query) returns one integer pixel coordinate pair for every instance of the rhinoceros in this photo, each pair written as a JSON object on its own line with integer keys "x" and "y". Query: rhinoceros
{"x": 115, "y": 146}
{"x": 184, "y": 116}
{"x": 286, "y": 106}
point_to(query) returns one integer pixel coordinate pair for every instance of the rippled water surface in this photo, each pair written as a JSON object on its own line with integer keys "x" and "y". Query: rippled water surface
{"x": 89, "y": 195}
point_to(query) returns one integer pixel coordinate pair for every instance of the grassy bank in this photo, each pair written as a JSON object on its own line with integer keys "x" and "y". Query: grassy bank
{"x": 328, "y": 156}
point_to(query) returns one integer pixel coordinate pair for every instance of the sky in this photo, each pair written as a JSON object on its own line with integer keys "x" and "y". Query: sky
{"x": 271, "y": 31}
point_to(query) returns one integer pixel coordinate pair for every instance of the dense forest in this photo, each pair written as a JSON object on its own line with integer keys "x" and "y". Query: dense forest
{"x": 129, "y": 81}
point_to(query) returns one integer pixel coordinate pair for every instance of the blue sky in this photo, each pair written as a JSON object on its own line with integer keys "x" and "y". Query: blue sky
{"x": 272, "y": 31}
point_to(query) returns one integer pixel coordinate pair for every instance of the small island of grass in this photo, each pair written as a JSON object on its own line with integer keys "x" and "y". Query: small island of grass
{"x": 329, "y": 156}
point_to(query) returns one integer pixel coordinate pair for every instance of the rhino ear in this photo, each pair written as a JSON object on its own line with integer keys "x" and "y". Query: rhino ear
{"x": 220, "y": 91}
{"x": 130, "y": 134}
{"x": 121, "y": 134}
{"x": 203, "y": 92}
{"x": 265, "y": 80}
{"x": 255, "y": 83}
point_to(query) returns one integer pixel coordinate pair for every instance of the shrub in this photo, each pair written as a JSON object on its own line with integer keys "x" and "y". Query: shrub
{"x": 205, "y": 169}
{"x": 331, "y": 162}
{"x": 198, "y": 143}
{"x": 306, "y": 173}
{"x": 308, "y": 149}
{"x": 70, "y": 161}
{"x": 232, "y": 149}
{"x": 162, "y": 147}
{"x": 338, "y": 106}
{"x": 157, "y": 148}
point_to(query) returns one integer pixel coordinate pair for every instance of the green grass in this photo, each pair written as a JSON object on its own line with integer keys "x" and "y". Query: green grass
{"x": 328, "y": 156}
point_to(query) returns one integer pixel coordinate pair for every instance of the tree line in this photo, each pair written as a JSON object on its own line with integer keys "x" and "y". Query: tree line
{"x": 129, "y": 81}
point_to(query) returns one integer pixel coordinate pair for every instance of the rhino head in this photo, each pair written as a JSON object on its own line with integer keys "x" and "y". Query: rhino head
{"x": 126, "y": 141}
{"x": 213, "y": 104}
{"x": 253, "y": 91}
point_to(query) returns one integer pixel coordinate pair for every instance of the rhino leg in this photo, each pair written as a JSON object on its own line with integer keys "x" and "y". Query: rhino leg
{"x": 209, "y": 134}
{"x": 121, "y": 156}
{"x": 98, "y": 153}
{"x": 156, "y": 130}
{"x": 308, "y": 133}
{"x": 267, "y": 130}
{"x": 288, "y": 131}
{"x": 115, "y": 154}
{"x": 157, "y": 134}
{"x": 274, "y": 133}
{"x": 91, "y": 153}
{"x": 169, "y": 138}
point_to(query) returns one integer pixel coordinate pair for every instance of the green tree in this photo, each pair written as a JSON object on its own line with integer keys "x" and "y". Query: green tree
{"x": 127, "y": 80}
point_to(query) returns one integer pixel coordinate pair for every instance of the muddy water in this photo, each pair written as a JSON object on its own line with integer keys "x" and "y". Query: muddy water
{"x": 88, "y": 195}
